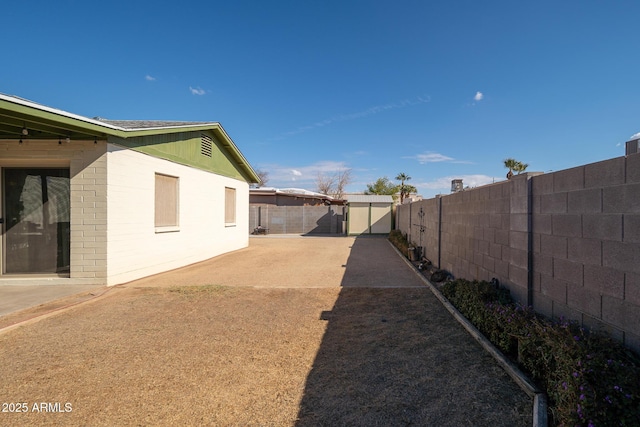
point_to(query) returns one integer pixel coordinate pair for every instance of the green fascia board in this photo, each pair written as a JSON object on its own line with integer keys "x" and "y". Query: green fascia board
{"x": 230, "y": 161}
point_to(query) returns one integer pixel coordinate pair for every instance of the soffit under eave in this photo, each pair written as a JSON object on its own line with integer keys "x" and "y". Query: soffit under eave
{"x": 38, "y": 126}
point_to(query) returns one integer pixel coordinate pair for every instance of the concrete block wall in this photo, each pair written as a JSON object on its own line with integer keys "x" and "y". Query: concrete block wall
{"x": 567, "y": 242}
{"x": 88, "y": 170}
{"x": 297, "y": 219}
{"x": 586, "y": 245}
{"x": 419, "y": 221}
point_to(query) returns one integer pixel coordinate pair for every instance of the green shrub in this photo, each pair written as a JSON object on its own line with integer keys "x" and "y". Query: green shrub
{"x": 399, "y": 240}
{"x": 590, "y": 379}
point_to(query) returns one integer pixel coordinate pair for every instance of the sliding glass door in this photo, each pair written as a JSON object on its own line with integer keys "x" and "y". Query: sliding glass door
{"x": 35, "y": 231}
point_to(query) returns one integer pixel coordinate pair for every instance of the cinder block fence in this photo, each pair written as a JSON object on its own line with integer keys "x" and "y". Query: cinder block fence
{"x": 297, "y": 219}
{"x": 566, "y": 243}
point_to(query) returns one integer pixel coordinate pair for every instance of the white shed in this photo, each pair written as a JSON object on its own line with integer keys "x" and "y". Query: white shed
{"x": 369, "y": 214}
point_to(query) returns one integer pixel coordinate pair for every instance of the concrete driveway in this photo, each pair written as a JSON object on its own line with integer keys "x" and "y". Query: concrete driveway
{"x": 269, "y": 261}
{"x": 298, "y": 262}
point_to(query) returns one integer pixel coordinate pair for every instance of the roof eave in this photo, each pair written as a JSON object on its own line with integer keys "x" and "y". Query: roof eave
{"x": 61, "y": 123}
{"x": 27, "y": 109}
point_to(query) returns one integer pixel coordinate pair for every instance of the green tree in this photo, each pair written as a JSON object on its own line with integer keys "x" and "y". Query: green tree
{"x": 405, "y": 189}
{"x": 382, "y": 186}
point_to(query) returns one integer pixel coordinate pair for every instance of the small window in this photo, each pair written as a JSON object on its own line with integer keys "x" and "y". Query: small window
{"x": 206, "y": 144}
{"x": 229, "y": 206}
{"x": 166, "y": 202}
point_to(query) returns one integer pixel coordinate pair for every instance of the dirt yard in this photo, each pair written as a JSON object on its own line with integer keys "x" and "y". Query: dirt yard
{"x": 283, "y": 333}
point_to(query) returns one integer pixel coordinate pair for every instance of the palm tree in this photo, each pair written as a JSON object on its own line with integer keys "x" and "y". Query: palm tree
{"x": 511, "y": 164}
{"x": 520, "y": 167}
{"x": 405, "y": 189}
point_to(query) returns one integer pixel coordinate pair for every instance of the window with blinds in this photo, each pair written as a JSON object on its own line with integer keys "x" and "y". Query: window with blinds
{"x": 229, "y": 206}
{"x": 166, "y": 201}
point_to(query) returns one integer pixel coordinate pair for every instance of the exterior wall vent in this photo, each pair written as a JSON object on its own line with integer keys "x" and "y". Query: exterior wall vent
{"x": 206, "y": 144}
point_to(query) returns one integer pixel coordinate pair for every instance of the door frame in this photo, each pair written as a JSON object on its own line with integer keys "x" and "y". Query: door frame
{"x": 25, "y": 163}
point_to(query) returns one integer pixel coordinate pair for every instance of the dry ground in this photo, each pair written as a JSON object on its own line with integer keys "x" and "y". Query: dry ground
{"x": 311, "y": 345}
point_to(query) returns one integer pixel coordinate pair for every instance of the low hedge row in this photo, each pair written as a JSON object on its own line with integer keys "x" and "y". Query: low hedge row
{"x": 399, "y": 240}
{"x": 590, "y": 379}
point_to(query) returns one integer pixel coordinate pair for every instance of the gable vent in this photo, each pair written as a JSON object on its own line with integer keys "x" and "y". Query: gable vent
{"x": 206, "y": 144}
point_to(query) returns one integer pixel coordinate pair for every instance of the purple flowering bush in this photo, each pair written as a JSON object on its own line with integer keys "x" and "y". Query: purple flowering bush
{"x": 590, "y": 379}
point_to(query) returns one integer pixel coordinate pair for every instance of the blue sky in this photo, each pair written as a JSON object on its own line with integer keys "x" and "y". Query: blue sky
{"x": 437, "y": 90}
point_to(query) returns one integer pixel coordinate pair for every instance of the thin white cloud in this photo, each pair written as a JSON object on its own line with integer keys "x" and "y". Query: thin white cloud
{"x": 358, "y": 153}
{"x": 479, "y": 96}
{"x": 295, "y": 172}
{"x": 430, "y": 157}
{"x": 358, "y": 115}
{"x": 197, "y": 90}
{"x": 149, "y": 78}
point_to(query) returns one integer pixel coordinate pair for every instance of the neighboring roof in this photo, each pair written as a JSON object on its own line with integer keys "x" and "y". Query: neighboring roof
{"x": 298, "y": 192}
{"x": 18, "y": 115}
{"x": 368, "y": 198}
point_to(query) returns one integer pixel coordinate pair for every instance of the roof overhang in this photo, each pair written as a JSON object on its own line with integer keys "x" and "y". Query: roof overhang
{"x": 20, "y": 118}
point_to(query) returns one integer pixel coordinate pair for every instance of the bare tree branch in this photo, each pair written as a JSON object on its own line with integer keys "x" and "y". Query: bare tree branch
{"x": 264, "y": 178}
{"x": 333, "y": 185}
{"x": 325, "y": 183}
{"x": 343, "y": 178}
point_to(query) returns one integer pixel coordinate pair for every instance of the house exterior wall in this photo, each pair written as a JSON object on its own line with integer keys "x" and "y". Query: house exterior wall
{"x": 263, "y": 199}
{"x": 566, "y": 242}
{"x": 86, "y": 161}
{"x": 112, "y": 233}
{"x": 135, "y": 249}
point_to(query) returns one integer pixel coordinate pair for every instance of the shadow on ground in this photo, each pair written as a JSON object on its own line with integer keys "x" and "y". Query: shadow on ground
{"x": 394, "y": 356}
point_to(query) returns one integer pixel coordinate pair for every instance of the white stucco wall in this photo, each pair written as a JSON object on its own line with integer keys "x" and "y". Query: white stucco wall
{"x": 134, "y": 248}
